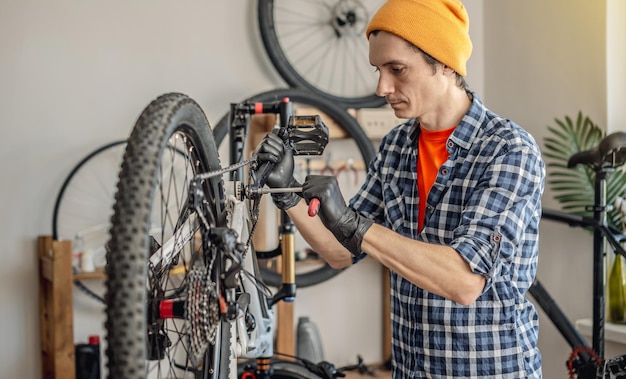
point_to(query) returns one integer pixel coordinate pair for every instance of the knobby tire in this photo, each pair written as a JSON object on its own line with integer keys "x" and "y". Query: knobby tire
{"x": 142, "y": 211}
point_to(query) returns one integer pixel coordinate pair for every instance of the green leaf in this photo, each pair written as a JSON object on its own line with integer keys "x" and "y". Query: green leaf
{"x": 574, "y": 187}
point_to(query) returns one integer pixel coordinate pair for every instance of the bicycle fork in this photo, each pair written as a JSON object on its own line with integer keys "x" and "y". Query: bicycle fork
{"x": 287, "y": 291}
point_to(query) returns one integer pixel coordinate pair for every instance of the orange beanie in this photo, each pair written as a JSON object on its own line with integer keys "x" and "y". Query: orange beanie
{"x": 439, "y": 27}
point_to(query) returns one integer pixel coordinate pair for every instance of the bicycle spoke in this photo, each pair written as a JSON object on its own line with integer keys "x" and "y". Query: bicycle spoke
{"x": 321, "y": 46}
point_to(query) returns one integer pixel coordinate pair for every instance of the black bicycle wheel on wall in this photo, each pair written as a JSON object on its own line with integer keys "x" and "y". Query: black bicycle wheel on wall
{"x": 365, "y": 147}
{"x": 83, "y": 206}
{"x": 321, "y": 46}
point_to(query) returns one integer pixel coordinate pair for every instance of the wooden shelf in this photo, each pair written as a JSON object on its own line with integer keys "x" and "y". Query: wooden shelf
{"x": 378, "y": 373}
{"x": 98, "y": 274}
{"x": 612, "y": 332}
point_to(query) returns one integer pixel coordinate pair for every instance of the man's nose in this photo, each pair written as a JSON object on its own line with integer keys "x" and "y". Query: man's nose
{"x": 384, "y": 86}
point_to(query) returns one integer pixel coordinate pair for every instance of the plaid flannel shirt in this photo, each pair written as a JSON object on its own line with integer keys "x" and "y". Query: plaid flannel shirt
{"x": 485, "y": 204}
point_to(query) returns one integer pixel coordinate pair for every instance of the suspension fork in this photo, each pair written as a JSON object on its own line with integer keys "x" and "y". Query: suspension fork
{"x": 287, "y": 291}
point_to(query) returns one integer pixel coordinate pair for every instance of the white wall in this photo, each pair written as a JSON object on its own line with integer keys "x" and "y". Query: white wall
{"x": 75, "y": 75}
{"x": 545, "y": 60}
{"x": 615, "y": 62}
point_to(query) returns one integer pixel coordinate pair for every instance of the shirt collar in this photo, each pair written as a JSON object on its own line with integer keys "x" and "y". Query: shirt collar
{"x": 465, "y": 133}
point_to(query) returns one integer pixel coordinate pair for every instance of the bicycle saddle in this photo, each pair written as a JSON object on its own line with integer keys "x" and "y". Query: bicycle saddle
{"x": 609, "y": 153}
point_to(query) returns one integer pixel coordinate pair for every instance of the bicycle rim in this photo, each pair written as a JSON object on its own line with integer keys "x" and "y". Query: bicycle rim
{"x": 170, "y": 144}
{"x": 83, "y": 205}
{"x": 351, "y": 127}
{"x": 321, "y": 46}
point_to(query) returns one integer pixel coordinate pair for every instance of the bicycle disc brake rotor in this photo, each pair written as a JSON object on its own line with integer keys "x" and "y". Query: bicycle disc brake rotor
{"x": 202, "y": 310}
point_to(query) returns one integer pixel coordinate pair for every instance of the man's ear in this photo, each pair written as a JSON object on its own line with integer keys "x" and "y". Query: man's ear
{"x": 447, "y": 70}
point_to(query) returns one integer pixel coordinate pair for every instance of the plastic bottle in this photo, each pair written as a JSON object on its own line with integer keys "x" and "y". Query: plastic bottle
{"x": 88, "y": 359}
{"x": 77, "y": 251}
{"x": 309, "y": 345}
{"x": 87, "y": 263}
{"x": 616, "y": 295}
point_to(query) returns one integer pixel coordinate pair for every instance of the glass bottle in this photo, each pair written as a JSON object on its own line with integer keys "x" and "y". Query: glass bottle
{"x": 617, "y": 298}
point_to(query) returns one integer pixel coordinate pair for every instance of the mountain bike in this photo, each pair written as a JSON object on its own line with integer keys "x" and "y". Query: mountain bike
{"x": 184, "y": 296}
{"x": 588, "y": 361}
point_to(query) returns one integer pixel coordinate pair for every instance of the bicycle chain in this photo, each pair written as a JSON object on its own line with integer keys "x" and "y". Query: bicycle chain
{"x": 202, "y": 298}
{"x": 222, "y": 171}
{"x": 255, "y": 203}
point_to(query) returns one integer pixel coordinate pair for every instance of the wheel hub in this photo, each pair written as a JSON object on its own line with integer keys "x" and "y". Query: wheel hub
{"x": 349, "y": 18}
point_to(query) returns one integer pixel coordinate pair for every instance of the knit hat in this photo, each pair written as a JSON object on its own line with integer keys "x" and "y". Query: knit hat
{"x": 438, "y": 27}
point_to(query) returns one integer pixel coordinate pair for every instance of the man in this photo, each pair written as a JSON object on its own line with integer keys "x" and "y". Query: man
{"x": 451, "y": 205}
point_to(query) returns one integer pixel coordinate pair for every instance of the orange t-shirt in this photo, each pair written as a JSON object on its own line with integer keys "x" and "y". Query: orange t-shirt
{"x": 432, "y": 153}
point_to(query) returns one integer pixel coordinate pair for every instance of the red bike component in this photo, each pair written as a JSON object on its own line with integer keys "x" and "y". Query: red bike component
{"x": 258, "y": 108}
{"x": 223, "y": 306}
{"x": 575, "y": 355}
{"x": 166, "y": 309}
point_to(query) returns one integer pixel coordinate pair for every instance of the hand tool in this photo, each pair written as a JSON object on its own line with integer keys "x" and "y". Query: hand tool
{"x": 314, "y": 204}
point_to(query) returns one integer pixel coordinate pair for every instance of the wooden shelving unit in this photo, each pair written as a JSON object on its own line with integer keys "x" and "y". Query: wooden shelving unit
{"x": 56, "y": 308}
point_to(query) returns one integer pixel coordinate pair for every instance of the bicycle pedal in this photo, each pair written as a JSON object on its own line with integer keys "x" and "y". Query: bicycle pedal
{"x": 307, "y": 135}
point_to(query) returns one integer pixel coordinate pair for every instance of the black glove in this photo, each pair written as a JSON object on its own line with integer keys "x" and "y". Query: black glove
{"x": 272, "y": 149}
{"x": 347, "y": 225}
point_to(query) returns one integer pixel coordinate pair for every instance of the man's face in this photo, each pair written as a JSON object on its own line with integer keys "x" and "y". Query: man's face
{"x": 406, "y": 80}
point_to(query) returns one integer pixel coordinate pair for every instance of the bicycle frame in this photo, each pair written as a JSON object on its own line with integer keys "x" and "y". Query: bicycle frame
{"x": 550, "y": 306}
{"x": 306, "y": 135}
{"x": 603, "y": 163}
{"x": 249, "y": 342}
{"x": 602, "y": 233}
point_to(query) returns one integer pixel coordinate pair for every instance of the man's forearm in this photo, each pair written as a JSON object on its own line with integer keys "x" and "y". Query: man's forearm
{"x": 436, "y": 268}
{"x": 321, "y": 240}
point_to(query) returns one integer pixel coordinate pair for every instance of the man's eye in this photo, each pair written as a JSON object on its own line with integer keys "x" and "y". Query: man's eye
{"x": 397, "y": 70}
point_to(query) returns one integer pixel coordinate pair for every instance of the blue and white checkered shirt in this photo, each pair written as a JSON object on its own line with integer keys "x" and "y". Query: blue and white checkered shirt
{"x": 486, "y": 204}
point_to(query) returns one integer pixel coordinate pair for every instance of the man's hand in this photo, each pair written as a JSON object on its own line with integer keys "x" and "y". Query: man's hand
{"x": 347, "y": 225}
{"x": 272, "y": 149}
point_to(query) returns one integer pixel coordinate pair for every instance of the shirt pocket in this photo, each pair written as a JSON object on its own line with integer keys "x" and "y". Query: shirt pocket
{"x": 394, "y": 205}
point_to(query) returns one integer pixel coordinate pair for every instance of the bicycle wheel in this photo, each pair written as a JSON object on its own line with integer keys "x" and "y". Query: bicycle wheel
{"x": 302, "y": 98}
{"x": 321, "y": 46}
{"x": 83, "y": 205}
{"x": 162, "y": 310}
